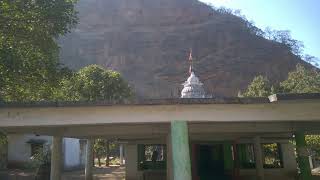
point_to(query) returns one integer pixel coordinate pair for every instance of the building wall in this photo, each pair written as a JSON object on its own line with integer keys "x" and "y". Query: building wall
{"x": 288, "y": 172}
{"x": 131, "y": 162}
{"x": 72, "y": 159}
{"x": 19, "y": 151}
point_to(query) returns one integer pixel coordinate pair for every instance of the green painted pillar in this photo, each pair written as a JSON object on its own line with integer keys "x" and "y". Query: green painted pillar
{"x": 227, "y": 153}
{"x": 180, "y": 150}
{"x": 303, "y": 159}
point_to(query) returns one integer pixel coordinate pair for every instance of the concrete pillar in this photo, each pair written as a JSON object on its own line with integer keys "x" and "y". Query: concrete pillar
{"x": 236, "y": 169}
{"x": 169, "y": 158}
{"x": 258, "y": 156}
{"x": 227, "y": 153}
{"x": 89, "y": 162}
{"x": 56, "y": 158}
{"x": 131, "y": 151}
{"x": 121, "y": 153}
{"x": 180, "y": 150}
{"x": 289, "y": 158}
{"x": 303, "y": 160}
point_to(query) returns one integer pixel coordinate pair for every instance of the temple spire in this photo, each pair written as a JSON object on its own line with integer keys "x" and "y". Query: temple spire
{"x": 191, "y": 62}
{"x": 192, "y": 88}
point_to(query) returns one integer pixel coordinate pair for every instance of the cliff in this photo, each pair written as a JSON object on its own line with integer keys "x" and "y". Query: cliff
{"x": 148, "y": 41}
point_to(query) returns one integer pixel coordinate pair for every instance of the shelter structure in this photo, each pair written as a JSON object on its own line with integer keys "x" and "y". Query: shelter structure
{"x": 23, "y": 147}
{"x": 182, "y": 139}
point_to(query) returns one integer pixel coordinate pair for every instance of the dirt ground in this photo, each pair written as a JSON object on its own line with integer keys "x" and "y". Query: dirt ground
{"x": 103, "y": 173}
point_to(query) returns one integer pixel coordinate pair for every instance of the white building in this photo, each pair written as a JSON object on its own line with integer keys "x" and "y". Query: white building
{"x": 22, "y": 147}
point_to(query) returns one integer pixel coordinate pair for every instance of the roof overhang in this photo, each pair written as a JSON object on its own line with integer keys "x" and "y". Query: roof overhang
{"x": 154, "y": 116}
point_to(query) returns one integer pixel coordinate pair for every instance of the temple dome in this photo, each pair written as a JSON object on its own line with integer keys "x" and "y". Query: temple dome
{"x": 193, "y": 79}
{"x": 192, "y": 88}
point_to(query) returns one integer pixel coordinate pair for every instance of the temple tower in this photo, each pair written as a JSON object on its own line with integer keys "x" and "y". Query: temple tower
{"x": 192, "y": 88}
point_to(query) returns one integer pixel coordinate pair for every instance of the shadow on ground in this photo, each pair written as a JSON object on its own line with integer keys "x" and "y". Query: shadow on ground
{"x": 103, "y": 173}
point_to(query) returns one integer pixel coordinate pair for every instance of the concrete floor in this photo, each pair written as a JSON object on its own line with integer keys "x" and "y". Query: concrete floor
{"x": 103, "y": 173}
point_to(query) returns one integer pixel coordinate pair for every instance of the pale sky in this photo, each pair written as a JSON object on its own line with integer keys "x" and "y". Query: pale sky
{"x": 301, "y": 17}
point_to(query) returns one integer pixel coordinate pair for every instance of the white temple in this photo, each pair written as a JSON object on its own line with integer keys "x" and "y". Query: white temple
{"x": 192, "y": 88}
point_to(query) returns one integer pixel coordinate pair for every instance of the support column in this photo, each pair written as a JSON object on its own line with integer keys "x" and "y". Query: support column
{"x": 236, "y": 164}
{"x": 121, "y": 153}
{"x": 180, "y": 150}
{"x": 89, "y": 162}
{"x": 227, "y": 153}
{"x": 56, "y": 158}
{"x": 169, "y": 158}
{"x": 131, "y": 151}
{"x": 258, "y": 156}
{"x": 303, "y": 160}
{"x": 289, "y": 157}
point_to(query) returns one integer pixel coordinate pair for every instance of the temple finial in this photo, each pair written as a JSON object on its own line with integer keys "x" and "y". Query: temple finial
{"x": 190, "y": 61}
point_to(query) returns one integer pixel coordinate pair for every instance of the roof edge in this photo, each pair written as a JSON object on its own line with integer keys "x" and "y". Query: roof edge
{"x": 168, "y": 101}
{"x": 293, "y": 96}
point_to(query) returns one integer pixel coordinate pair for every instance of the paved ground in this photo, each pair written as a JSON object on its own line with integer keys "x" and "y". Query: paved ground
{"x": 103, "y": 173}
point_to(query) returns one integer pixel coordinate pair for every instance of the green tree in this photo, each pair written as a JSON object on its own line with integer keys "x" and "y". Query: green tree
{"x": 259, "y": 87}
{"x": 313, "y": 142}
{"x": 29, "y": 54}
{"x": 3, "y": 139}
{"x": 301, "y": 80}
{"x": 94, "y": 83}
{"x": 304, "y": 80}
{"x": 100, "y": 149}
{"x": 3, "y": 150}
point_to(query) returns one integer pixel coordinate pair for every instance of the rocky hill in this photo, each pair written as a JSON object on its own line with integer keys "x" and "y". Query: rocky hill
{"x": 148, "y": 41}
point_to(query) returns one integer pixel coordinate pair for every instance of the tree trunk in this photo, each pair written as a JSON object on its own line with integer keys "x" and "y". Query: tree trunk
{"x": 94, "y": 157}
{"x": 108, "y": 154}
{"x": 99, "y": 161}
{"x": 94, "y": 154}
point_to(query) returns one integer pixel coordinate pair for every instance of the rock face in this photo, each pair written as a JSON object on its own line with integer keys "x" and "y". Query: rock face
{"x": 148, "y": 41}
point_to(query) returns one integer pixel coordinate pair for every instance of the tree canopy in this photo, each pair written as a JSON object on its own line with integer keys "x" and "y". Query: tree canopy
{"x": 29, "y": 57}
{"x": 259, "y": 87}
{"x": 301, "y": 80}
{"x": 29, "y": 54}
{"x": 3, "y": 139}
{"x": 94, "y": 83}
